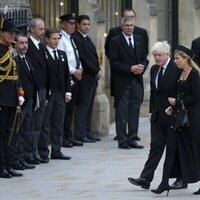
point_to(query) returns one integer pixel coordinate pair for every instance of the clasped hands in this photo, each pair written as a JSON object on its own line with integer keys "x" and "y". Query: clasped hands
{"x": 172, "y": 102}
{"x": 137, "y": 69}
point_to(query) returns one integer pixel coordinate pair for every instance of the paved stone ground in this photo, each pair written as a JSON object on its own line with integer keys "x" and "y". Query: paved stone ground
{"x": 97, "y": 171}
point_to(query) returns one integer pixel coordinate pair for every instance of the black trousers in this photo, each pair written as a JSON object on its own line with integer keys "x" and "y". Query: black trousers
{"x": 159, "y": 131}
{"x": 127, "y": 113}
{"x": 7, "y": 115}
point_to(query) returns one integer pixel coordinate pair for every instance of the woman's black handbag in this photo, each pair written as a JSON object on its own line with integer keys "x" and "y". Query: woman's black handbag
{"x": 181, "y": 118}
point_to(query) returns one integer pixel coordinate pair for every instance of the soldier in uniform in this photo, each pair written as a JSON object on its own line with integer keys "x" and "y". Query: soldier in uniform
{"x": 11, "y": 95}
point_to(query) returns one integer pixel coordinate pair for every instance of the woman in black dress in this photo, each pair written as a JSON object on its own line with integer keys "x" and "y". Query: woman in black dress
{"x": 183, "y": 146}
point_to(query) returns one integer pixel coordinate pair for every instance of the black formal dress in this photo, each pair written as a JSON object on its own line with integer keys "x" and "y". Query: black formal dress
{"x": 196, "y": 48}
{"x": 127, "y": 88}
{"x": 87, "y": 85}
{"x": 183, "y": 147}
{"x": 159, "y": 120}
{"x": 58, "y": 86}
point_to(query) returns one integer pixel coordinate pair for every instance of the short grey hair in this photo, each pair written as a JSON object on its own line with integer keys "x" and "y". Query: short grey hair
{"x": 161, "y": 47}
{"x": 126, "y": 19}
{"x": 33, "y": 23}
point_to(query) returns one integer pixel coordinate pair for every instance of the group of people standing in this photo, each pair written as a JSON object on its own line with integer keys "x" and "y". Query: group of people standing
{"x": 48, "y": 83}
{"x": 45, "y": 78}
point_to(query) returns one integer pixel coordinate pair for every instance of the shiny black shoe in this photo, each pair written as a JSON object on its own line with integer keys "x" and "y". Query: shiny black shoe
{"x": 86, "y": 140}
{"x": 66, "y": 144}
{"x": 14, "y": 173}
{"x": 124, "y": 146}
{"x": 162, "y": 188}
{"x": 26, "y": 165}
{"x": 18, "y": 166}
{"x": 197, "y": 192}
{"x": 60, "y": 156}
{"x": 93, "y": 137}
{"x": 178, "y": 184}
{"x": 142, "y": 182}
{"x": 5, "y": 174}
{"x": 75, "y": 142}
{"x": 135, "y": 145}
{"x": 32, "y": 161}
{"x": 115, "y": 138}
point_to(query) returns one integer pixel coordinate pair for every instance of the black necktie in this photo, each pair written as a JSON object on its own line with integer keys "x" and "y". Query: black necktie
{"x": 26, "y": 63}
{"x": 55, "y": 55}
{"x": 130, "y": 43}
{"x": 160, "y": 76}
{"x": 75, "y": 53}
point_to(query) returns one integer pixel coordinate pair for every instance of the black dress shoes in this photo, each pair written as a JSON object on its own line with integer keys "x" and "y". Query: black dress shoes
{"x": 75, "y": 142}
{"x": 60, "y": 156}
{"x": 32, "y": 161}
{"x": 87, "y": 140}
{"x": 138, "y": 138}
{"x": 42, "y": 160}
{"x": 124, "y": 146}
{"x": 115, "y": 138}
{"x": 13, "y": 172}
{"x": 178, "y": 184}
{"x": 4, "y": 174}
{"x": 93, "y": 137}
{"x": 26, "y": 165}
{"x": 135, "y": 145}
{"x": 66, "y": 144}
{"x": 142, "y": 182}
{"x": 18, "y": 166}
{"x": 197, "y": 192}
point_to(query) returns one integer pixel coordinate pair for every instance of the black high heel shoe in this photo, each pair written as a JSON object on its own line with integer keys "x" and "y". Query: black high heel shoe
{"x": 197, "y": 192}
{"x": 161, "y": 188}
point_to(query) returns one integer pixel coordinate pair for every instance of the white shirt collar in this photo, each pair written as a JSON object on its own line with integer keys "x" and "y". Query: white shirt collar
{"x": 35, "y": 41}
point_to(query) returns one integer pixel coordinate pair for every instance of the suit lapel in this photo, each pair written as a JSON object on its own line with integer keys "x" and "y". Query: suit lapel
{"x": 125, "y": 45}
{"x": 40, "y": 58}
{"x": 25, "y": 69}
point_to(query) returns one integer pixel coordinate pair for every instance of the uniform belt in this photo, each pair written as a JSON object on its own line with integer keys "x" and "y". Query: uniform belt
{"x": 13, "y": 78}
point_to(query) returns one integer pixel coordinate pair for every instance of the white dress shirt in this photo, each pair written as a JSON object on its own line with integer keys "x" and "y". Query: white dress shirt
{"x": 65, "y": 45}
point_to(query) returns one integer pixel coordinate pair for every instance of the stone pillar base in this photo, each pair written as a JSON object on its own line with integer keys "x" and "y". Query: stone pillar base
{"x": 101, "y": 115}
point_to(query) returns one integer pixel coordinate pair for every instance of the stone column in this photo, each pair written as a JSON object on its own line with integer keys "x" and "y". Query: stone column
{"x": 101, "y": 110}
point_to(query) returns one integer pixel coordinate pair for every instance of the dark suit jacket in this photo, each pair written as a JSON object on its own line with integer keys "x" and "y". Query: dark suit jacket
{"x": 196, "y": 48}
{"x": 58, "y": 75}
{"x": 121, "y": 60}
{"x": 117, "y": 30}
{"x": 88, "y": 55}
{"x": 38, "y": 60}
{"x": 8, "y": 88}
{"x": 28, "y": 78}
{"x": 168, "y": 88}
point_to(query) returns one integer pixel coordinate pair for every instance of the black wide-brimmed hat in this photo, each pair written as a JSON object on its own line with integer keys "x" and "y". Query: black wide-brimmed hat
{"x": 8, "y": 25}
{"x": 69, "y": 18}
{"x": 185, "y": 50}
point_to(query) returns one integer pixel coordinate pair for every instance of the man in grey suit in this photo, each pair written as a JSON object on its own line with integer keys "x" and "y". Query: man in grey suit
{"x": 128, "y": 63}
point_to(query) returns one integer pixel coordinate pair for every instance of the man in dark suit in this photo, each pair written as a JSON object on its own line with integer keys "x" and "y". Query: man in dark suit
{"x": 164, "y": 76}
{"x": 59, "y": 92}
{"x": 28, "y": 79}
{"x": 128, "y": 63}
{"x": 137, "y": 30}
{"x": 116, "y": 31}
{"x": 196, "y": 48}
{"x": 38, "y": 60}
{"x": 88, "y": 83}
